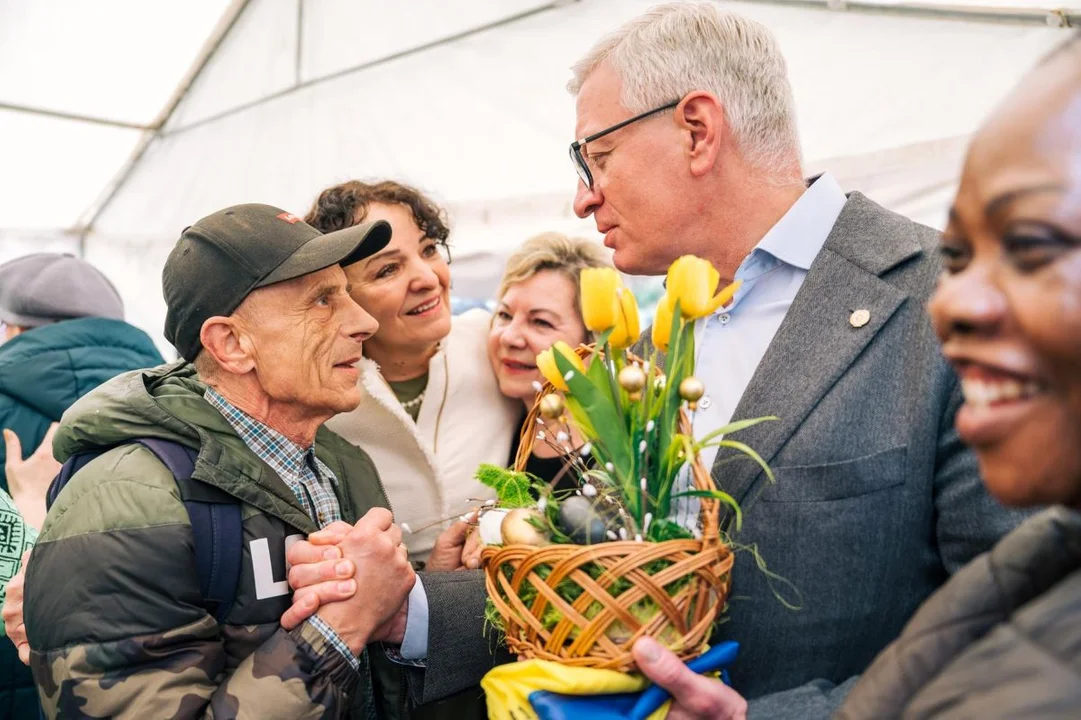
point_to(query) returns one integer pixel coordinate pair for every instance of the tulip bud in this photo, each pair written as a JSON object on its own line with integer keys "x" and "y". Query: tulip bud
{"x": 600, "y": 306}
{"x": 627, "y": 327}
{"x": 546, "y": 363}
{"x": 662, "y": 325}
{"x": 693, "y": 281}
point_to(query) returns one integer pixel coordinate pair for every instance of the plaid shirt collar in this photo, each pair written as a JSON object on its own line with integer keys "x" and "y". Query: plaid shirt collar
{"x": 311, "y": 481}
{"x": 286, "y": 457}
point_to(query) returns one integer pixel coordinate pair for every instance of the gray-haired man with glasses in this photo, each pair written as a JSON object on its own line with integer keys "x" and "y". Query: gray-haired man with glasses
{"x": 877, "y": 501}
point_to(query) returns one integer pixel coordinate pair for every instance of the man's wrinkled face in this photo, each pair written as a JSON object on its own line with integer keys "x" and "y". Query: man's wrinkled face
{"x": 305, "y": 337}
{"x": 639, "y": 173}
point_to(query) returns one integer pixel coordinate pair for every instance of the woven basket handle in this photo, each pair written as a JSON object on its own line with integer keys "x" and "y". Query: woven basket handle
{"x": 528, "y": 435}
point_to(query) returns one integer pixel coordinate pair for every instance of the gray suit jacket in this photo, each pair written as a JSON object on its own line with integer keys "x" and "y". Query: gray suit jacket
{"x": 876, "y": 500}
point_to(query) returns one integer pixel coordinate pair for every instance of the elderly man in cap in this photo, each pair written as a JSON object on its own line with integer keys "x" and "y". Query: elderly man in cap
{"x": 62, "y": 333}
{"x": 117, "y": 620}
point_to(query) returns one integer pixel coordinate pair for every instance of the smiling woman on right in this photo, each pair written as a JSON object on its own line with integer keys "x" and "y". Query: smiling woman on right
{"x": 1002, "y": 639}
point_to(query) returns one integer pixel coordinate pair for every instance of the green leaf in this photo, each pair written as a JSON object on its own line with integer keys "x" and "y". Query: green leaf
{"x": 746, "y": 450}
{"x": 665, "y": 529}
{"x": 597, "y": 372}
{"x": 606, "y": 421}
{"x": 580, "y": 418}
{"x": 716, "y": 495}
{"x": 733, "y": 427}
{"x": 512, "y": 488}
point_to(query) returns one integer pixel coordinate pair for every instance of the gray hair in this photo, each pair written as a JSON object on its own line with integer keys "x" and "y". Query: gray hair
{"x": 674, "y": 49}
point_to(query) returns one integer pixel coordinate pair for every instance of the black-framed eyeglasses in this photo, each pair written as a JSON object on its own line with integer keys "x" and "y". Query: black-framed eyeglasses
{"x": 579, "y": 160}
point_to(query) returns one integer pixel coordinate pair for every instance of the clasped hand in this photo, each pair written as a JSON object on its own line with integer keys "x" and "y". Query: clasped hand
{"x": 327, "y": 569}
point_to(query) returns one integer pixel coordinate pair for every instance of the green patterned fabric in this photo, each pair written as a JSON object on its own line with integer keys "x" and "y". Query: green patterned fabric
{"x": 16, "y": 537}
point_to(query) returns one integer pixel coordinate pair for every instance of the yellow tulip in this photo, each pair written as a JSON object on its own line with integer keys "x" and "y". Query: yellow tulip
{"x": 546, "y": 363}
{"x": 662, "y": 325}
{"x": 600, "y": 307}
{"x": 627, "y": 328}
{"x": 693, "y": 281}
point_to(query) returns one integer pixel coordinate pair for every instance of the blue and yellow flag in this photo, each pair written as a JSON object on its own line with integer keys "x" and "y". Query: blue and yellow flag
{"x": 509, "y": 687}
{"x": 544, "y": 690}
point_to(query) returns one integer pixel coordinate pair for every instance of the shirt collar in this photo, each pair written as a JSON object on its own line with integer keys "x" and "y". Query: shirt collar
{"x": 801, "y": 233}
{"x": 268, "y": 444}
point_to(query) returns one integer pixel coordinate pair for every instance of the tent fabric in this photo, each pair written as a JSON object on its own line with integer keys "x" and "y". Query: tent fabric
{"x": 471, "y": 106}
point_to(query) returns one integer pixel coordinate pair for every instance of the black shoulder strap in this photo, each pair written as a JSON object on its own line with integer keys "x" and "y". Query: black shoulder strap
{"x": 215, "y": 524}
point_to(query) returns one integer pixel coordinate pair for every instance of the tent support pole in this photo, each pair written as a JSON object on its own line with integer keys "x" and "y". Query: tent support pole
{"x": 1060, "y": 18}
{"x": 370, "y": 64}
{"x": 90, "y": 119}
{"x": 210, "y": 48}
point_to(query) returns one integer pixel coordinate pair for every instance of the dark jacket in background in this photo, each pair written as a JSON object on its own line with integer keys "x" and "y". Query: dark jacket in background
{"x": 1002, "y": 639}
{"x": 43, "y": 372}
{"x": 46, "y": 369}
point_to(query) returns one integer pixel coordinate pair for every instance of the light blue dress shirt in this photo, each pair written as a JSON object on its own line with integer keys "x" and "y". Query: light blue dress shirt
{"x": 415, "y": 641}
{"x": 730, "y": 343}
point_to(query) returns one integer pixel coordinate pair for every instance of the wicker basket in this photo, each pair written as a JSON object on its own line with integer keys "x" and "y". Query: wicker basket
{"x": 599, "y": 627}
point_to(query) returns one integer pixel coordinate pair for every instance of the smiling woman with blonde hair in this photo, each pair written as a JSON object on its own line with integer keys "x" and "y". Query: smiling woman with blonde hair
{"x": 539, "y": 304}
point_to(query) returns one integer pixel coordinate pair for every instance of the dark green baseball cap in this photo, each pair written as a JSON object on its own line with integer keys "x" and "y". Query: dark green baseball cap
{"x": 219, "y": 260}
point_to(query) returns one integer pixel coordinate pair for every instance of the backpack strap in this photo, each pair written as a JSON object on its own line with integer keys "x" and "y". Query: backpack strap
{"x": 74, "y": 464}
{"x": 216, "y": 527}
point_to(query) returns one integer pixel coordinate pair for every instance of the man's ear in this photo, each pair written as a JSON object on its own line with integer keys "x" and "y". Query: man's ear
{"x": 701, "y": 116}
{"x": 225, "y": 340}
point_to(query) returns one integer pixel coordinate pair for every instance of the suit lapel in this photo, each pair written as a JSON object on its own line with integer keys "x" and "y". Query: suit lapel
{"x": 818, "y": 341}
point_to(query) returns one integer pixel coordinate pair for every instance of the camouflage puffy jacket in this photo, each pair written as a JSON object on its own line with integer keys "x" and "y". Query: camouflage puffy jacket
{"x": 114, "y": 613}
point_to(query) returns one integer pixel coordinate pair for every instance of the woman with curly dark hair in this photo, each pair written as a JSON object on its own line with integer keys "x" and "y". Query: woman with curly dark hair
{"x": 432, "y": 410}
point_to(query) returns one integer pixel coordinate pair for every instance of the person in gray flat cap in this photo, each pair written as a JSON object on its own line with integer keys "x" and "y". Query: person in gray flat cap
{"x": 62, "y": 333}
{"x": 46, "y": 288}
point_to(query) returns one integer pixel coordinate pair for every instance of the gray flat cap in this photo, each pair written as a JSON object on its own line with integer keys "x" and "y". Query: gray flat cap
{"x": 45, "y": 288}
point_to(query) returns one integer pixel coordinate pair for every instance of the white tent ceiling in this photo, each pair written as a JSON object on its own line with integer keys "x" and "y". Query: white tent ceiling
{"x": 122, "y": 121}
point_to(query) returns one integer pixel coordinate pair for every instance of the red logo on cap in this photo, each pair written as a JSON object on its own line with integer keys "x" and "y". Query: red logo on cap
{"x": 289, "y": 218}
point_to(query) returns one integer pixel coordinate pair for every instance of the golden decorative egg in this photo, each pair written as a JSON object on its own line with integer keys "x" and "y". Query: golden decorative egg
{"x": 691, "y": 389}
{"x": 632, "y": 379}
{"x": 518, "y": 528}
{"x": 551, "y": 406}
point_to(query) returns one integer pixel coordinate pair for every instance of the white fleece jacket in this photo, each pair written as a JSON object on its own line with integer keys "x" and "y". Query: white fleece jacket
{"x": 427, "y": 467}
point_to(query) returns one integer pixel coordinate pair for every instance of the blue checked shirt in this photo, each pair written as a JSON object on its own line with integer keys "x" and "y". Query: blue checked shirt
{"x": 311, "y": 481}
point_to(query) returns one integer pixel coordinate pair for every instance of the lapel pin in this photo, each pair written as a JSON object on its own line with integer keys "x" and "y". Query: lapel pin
{"x": 859, "y": 318}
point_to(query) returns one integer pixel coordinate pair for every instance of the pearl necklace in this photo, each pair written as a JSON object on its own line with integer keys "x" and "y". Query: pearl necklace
{"x": 410, "y": 404}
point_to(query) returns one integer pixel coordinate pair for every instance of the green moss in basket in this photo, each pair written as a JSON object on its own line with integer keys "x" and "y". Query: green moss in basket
{"x": 512, "y": 488}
